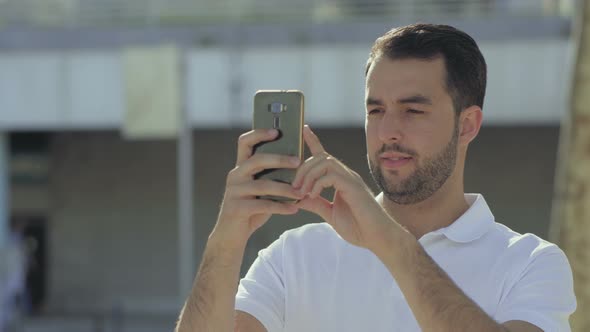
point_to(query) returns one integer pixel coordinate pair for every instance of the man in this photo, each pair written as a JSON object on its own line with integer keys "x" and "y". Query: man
{"x": 422, "y": 255}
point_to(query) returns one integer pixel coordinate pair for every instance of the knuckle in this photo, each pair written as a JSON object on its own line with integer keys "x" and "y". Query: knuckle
{"x": 243, "y": 139}
{"x": 232, "y": 174}
{"x": 233, "y": 170}
{"x": 332, "y": 159}
{"x": 243, "y": 136}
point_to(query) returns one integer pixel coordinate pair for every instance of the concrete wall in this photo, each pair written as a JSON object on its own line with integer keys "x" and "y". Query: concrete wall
{"x": 112, "y": 222}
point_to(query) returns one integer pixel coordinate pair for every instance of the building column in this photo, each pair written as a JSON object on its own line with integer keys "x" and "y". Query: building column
{"x": 4, "y": 188}
{"x": 186, "y": 246}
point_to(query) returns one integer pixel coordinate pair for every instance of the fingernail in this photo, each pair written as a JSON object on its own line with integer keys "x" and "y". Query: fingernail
{"x": 272, "y": 132}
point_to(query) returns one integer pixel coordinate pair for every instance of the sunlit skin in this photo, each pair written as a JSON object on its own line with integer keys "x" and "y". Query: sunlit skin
{"x": 410, "y": 111}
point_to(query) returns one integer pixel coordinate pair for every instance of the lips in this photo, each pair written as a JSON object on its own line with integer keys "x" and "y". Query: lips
{"x": 393, "y": 155}
{"x": 389, "y": 160}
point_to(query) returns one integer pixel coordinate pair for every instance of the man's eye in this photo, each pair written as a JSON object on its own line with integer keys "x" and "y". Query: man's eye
{"x": 374, "y": 111}
{"x": 415, "y": 111}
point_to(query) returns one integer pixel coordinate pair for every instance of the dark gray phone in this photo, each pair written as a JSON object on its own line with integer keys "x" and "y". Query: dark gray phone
{"x": 282, "y": 110}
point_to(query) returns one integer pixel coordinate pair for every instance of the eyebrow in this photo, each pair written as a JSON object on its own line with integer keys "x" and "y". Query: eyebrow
{"x": 373, "y": 101}
{"x": 415, "y": 99}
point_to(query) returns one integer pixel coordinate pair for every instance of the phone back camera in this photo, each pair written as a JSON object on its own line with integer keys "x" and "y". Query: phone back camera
{"x": 276, "y": 108}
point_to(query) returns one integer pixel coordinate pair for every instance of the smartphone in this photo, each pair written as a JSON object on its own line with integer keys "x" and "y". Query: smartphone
{"x": 282, "y": 110}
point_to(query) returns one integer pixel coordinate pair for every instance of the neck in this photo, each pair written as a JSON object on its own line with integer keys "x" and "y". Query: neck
{"x": 440, "y": 210}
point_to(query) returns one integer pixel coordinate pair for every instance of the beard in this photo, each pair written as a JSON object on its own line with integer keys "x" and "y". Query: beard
{"x": 424, "y": 181}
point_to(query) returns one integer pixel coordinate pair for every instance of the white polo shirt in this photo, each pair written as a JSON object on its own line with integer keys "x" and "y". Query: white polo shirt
{"x": 310, "y": 279}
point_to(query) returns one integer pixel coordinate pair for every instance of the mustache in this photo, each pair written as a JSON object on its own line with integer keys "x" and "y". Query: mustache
{"x": 395, "y": 147}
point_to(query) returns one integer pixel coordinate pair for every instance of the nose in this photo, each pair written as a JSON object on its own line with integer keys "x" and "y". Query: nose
{"x": 390, "y": 128}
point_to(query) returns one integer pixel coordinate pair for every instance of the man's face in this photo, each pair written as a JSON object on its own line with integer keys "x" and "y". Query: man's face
{"x": 411, "y": 128}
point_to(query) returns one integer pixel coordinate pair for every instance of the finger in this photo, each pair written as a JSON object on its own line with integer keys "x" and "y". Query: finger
{"x": 309, "y": 178}
{"x": 312, "y": 141}
{"x": 264, "y": 206}
{"x": 247, "y": 141}
{"x": 318, "y": 205}
{"x": 309, "y": 164}
{"x": 264, "y": 187}
{"x": 326, "y": 166}
{"x": 323, "y": 182}
{"x": 262, "y": 161}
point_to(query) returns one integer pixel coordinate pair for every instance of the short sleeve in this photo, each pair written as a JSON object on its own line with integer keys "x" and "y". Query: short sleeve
{"x": 544, "y": 293}
{"x": 261, "y": 292}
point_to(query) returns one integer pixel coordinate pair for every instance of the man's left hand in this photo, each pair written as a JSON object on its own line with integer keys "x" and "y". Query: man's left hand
{"x": 354, "y": 213}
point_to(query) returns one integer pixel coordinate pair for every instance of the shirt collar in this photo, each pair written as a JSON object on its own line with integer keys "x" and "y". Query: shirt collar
{"x": 473, "y": 224}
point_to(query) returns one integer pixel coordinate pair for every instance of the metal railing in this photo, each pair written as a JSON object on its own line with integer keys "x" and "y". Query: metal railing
{"x": 78, "y": 13}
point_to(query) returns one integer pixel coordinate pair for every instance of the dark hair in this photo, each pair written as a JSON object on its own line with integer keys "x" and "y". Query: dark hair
{"x": 464, "y": 63}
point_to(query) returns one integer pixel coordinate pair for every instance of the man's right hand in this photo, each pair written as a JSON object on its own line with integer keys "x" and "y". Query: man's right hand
{"x": 241, "y": 212}
{"x": 210, "y": 306}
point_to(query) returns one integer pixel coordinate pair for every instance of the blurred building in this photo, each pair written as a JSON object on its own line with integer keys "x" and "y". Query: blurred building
{"x": 100, "y": 209}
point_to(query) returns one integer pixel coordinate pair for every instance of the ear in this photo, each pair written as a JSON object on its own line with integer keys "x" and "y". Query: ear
{"x": 469, "y": 124}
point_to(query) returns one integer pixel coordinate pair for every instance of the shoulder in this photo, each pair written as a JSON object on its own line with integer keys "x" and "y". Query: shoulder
{"x": 538, "y": 282}
{"x": 528, "y": 255}
{"x": 527, "y": 245}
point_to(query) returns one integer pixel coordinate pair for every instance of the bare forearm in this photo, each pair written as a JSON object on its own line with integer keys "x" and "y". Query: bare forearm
{"x": 437, "y": 303}
{"x": 210, "y": 306}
